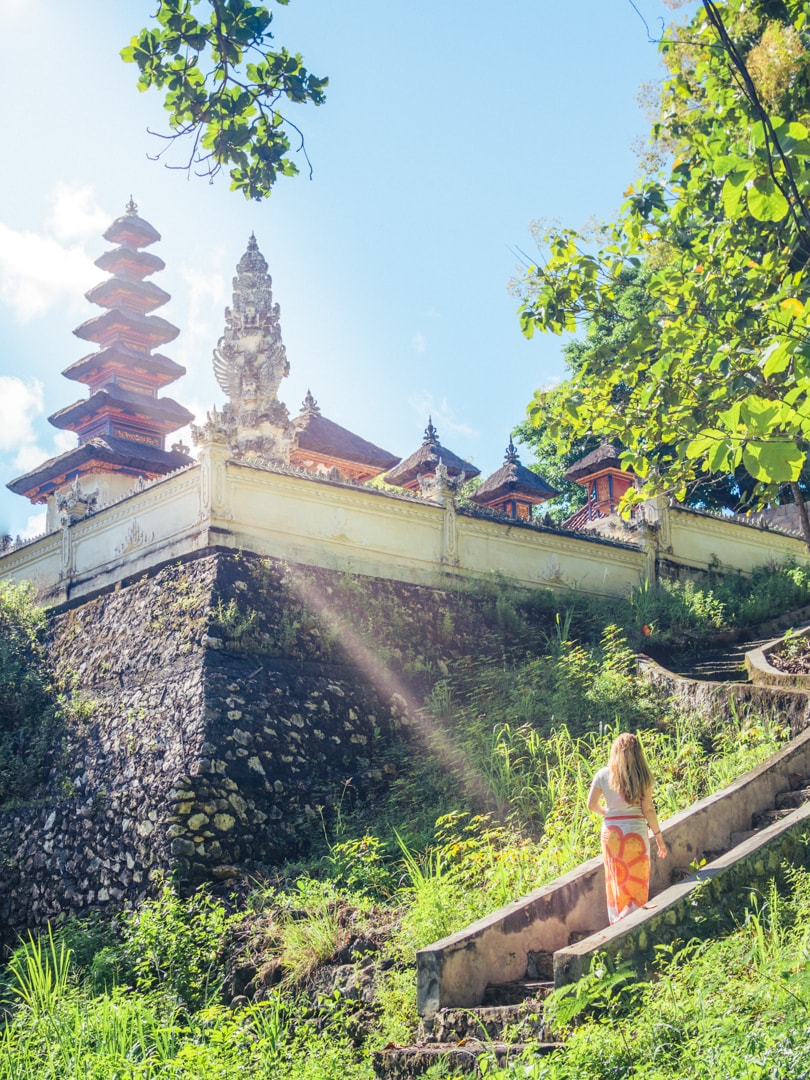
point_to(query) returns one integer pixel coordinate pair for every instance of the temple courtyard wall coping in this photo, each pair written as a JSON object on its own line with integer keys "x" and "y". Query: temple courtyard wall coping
{"x": 219, "y": 502}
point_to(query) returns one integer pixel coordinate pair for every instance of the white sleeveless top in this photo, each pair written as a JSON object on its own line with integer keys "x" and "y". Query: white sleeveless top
{"x": 615, "y": 805}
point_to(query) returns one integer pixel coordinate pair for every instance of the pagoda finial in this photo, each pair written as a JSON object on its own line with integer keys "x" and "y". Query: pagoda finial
{"x": 132, "y": 207}
{"x": 431, "y": 437}
{"x": 252, "y": 262}
{"x": 309, "y": 406}
{"x": 511, "y": 454}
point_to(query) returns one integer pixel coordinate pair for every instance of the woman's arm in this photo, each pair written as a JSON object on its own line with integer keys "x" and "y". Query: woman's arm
{"x": 595, "y": 800}
{"x": 648, "y": 810}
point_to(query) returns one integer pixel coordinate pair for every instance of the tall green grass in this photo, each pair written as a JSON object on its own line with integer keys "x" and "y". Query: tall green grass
{"x": 737, "y": 1007}
{"x": 147, "y": 1000}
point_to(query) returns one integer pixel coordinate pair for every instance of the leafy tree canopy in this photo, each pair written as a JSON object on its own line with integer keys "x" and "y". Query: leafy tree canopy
{"x": 607, "y": 335}
{"x": 711, "y": 374}
{"x": 224, "y": 89}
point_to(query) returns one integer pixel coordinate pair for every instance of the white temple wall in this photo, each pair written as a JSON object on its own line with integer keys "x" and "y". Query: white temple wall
{"x": 689, "y": 540}
{"x": 223, "y": 503}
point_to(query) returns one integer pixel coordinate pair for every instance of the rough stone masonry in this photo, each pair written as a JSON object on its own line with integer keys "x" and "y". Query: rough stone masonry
{"x": 213, "y": 714}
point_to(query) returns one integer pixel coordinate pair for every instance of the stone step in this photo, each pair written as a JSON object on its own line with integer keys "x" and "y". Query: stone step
{"x": 540, "y": 965}
{"x": 514, "y": 993}
{"x": 792, "y": 799}
{"x": 739, "y": 837}
{"x": 499, "y": 1023}
{"x": 767, "y": 817}
{"x": 404, "y": 1062}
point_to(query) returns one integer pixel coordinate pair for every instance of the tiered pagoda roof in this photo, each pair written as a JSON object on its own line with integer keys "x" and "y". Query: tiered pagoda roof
{"x": 424, "y": 462}
{"x": 122, "y": 425}
{"x": 602, "y": 473}
{"x": 321, "y": 442}
{"x": 513, "y": 489}
{"x": 603, "y": 457}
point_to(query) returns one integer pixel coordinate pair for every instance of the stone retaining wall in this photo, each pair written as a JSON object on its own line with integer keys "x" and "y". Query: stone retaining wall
{"x": 219, "y": 704}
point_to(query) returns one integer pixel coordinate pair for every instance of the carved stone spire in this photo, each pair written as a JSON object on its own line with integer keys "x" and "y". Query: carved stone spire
{"x": 309, "y": 406}
{"x": 249, "y": 363}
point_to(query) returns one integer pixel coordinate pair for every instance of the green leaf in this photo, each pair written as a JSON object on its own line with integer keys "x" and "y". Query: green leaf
{"x": 773, "y": 462}
{"x": 777, "y": 358}
{"x": 734, "y": 189}
{"x": 765, "y": 201}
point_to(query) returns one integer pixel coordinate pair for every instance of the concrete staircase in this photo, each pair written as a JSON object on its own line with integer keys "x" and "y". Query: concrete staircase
{"x": 507, "y": 1025}
{"x": 784, "y": 804}
{"x": 763, "y": 816}
{"x": 726, "y": 665}
{"x": 510, "y": 1020}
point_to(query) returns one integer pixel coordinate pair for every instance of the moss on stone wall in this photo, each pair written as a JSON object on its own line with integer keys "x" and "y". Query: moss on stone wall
{"x": 221, "y": 705}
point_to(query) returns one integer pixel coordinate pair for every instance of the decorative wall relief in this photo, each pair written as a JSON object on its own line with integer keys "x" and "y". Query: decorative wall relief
{"x": 135, "y": 538}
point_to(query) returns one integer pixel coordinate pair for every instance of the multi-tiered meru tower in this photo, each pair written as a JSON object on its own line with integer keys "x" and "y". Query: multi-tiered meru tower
{"x": 123, "y": 424}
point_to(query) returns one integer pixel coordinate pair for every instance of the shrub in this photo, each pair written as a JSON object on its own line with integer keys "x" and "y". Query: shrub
{"x": 28, "y": 712}
{"x": 174, "y": 943}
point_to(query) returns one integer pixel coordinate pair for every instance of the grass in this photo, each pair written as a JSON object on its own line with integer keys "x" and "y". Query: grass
{"x": 530, "y": 721}
{"x": 737, "y": 1007}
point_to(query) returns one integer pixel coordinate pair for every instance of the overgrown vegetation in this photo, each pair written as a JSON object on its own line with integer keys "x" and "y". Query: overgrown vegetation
{"x": 677, "y": 613}
{"x": 305, "y": 970}
{"x": 147, "y": 997}
{"x": 28, "y": 700}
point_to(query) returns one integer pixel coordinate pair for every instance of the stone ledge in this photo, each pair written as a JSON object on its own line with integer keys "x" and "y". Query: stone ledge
{"x": 762, "y": 673}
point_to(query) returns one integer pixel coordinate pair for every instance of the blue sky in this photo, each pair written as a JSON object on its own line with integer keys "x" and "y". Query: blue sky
{"x": 449, "y": 127}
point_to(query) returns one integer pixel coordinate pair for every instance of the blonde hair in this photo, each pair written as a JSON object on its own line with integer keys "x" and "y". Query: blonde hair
{"x": 628, "y": 771}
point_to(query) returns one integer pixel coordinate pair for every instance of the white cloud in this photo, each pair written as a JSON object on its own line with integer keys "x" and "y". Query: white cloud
{"x": 20, "y": 404}
{"x": 207, "y": 298}
{"x": 419, "y": 343}
{"x": 41, "y": 269}
{"x": 37, "y": 272}
{"x": 28, "y": 456}
{"x": 75, "y": 214}
{"x": 35, "y": 525}
{"x": 444, "y": 417}
{"x": 9, "y": 9}
{"x": 64, "y": 441}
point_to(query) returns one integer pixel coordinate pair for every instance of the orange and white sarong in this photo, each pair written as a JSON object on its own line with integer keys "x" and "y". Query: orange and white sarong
{"x": 627, "y": 864}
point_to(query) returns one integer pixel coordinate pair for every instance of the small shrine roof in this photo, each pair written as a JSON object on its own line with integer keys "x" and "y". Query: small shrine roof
{"x": 323, "y": 436}
{"x": 513, "y": 479}
{"x": 116, "y": 292}
{"x": 603, "y": 457}
{"x": 128, "y": 262}
{"x": 426, "y": 460}
{"x": 158, "y": 331}
{"x": 131, "y": 230}
{"x": 165, "y": 412}
{"x": 120, "y": 357}
{"x": 108, "y": 454}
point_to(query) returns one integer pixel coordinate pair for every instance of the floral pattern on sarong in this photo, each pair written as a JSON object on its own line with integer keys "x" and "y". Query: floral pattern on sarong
{"x": 627, "y": 868}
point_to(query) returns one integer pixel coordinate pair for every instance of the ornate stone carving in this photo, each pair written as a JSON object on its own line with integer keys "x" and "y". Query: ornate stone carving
{"x": 249, "y": 363}
{"x": 214, "y": 430}
{"x": 75, "y": 504}
{"x": 440, "y": 488}
{"x": 134, "y": 538}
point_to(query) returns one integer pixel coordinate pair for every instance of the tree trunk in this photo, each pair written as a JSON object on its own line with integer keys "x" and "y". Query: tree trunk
{"x": 798, "y": 498}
